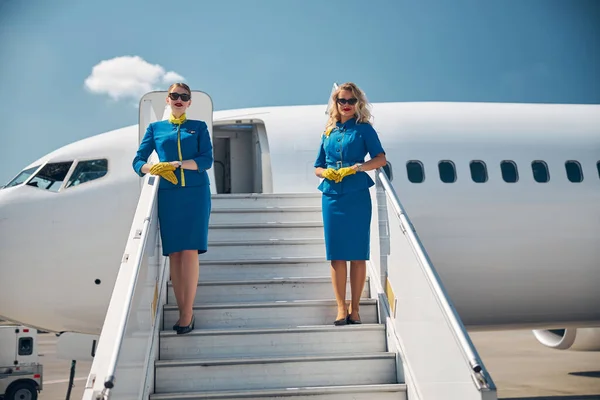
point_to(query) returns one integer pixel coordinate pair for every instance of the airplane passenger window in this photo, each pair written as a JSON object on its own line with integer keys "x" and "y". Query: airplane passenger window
{"x": 509, "y": 171}
{"x": 478, "y": 171}
{"x": 574, "y": 172}
{"x": 447, "y": 171}
{"x": 22, "y": 177}
{"x": 415, "y": 171}
{"x": 51, "y": 176}
{"x": 540, "y": 171}
{"x": 86, "y": 171}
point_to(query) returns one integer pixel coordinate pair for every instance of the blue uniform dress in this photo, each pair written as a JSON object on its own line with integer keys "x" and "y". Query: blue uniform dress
{"x": 184, "y": 208}
{"x": 346, "y": 205}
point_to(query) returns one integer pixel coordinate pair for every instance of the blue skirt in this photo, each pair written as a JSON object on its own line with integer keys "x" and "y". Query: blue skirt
{"x": 347, "y": 224}
{"x": 183, "y": 216}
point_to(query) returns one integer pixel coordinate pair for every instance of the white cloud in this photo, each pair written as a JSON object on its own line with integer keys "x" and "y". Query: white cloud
{"x": 129, "y": 77}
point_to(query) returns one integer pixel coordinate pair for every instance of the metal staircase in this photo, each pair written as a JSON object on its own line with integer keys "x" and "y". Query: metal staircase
{"x": 264, "y": 315}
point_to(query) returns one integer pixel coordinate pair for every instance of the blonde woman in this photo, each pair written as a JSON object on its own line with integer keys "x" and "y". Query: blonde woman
{"x": 346, "y": 201}
{"x": 185, "y": 152}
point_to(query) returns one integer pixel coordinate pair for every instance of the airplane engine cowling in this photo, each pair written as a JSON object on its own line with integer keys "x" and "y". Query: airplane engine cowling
{"x": 574, "y": 339}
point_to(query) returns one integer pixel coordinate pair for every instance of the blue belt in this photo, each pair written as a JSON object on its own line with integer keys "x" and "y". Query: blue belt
{"x": 342, "y": 164}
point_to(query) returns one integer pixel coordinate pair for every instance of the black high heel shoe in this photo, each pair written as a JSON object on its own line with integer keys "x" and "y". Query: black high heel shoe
{"x": 176, "y": 326}
{"x": 351, "y": 321}
{"x": 187, "y": 329}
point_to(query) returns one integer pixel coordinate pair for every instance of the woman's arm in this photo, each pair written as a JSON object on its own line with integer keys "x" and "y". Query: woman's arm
{"x": 374, "y": 163}
{"x": 146, "y": 148}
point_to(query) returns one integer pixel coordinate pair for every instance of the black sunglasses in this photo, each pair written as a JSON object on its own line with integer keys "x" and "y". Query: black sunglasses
{"x": 349, "y": 101}
{"x": 175, "y": 96}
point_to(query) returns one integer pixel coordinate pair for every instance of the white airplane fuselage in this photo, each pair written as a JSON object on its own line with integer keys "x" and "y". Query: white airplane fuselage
{"x": 511, "y": 255}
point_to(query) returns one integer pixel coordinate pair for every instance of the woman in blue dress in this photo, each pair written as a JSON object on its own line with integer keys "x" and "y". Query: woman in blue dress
{"x": 185, "y": 152}
{"x": 346, "y": 200}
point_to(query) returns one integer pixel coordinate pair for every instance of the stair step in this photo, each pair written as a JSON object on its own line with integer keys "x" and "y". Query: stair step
{"x": 359, "y": 392}
{"x": 264, "y": 200}
{"x": 266, "y": 231}
{"x": 268, "y": 315}
{"x": 278, "y": 267}
{"x": 288, "y": 342}
{"x": 263, "y": 215}
{"x": 264, "y": 290}
{"x": 249, "y": 249}
{"x": 274, "y": 373}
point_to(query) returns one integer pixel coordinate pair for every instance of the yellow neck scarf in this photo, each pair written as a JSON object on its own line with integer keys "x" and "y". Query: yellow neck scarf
{"x": 177, "y": 121}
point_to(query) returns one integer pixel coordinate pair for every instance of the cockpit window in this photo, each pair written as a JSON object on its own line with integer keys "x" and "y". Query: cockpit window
{"x": 22, "y": 177}
{"x": 51, "y": 176}
{"x": 86, "y": 171}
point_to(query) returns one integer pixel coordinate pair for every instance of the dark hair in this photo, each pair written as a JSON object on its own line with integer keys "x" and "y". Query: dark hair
{"x": 181, "y": 85}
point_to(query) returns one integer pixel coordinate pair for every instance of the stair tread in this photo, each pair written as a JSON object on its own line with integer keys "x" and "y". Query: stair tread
{"x": 292, "y": 195}
{"x": 284, "y": 303}
{"x": 267, "y": 209}
{"x": 270, "y": 260}
{"x": 266, "y": 225}
{"x": 263, "y": 242}
{"x": 260, "y": 331}
{"x": 286, "y": 280}
{"x": 271, "y": 360}
{"x": 308, "y": 390}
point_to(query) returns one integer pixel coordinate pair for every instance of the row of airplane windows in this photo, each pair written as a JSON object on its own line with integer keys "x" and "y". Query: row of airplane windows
{"x": 510, "y": 173}
{"x": 52, "y": 176}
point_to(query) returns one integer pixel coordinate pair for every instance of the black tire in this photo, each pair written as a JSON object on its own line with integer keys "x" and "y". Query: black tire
{"x": 21, "y": 391}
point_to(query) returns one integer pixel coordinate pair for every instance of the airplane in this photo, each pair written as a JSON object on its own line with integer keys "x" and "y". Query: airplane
{"x": 504, "y": 197}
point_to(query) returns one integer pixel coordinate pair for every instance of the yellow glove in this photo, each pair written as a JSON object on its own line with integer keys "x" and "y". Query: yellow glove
{"x": 343, "y": 172}
{"x": 165, "y": 170}
{"x": 330, "y": 174}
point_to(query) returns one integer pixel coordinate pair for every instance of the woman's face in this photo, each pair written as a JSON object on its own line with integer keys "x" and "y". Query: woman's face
{"x": 346, "y": 103}
{"x": 179, "y": 99}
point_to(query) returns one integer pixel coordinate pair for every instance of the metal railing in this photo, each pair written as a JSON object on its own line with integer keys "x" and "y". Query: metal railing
{"x": 432, "y": 341}
{"x": 122, "y": 366}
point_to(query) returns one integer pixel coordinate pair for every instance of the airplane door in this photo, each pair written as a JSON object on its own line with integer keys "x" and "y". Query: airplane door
{"x": 153, "y": 107}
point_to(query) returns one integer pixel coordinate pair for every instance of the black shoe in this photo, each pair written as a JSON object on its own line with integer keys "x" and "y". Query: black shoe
{"x": 182, "y": 330}
{"x": 339, "y": 322}
{"x": 176, "y": 327}
{"x": 351, "y": 321}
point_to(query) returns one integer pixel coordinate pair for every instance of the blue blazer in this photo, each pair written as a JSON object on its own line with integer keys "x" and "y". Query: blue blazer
{"x": 346, "y": 145}
{"x": 161, "y": 136}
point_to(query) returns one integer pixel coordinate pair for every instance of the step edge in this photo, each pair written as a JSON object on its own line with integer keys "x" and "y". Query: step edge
{"x": 266, "y": 195}
{"x": 285, "y": 303}
{"x": 166, "y": 334}
{"x": 266, "y": 242}
{"x": 272, "y": 360}
{"x": 273, "y": 260}
{"x": 284, "y": 280}
{"x": 298, "y": 391}
{"x": 265, "y": 210}
{"x": 266, "y": 225}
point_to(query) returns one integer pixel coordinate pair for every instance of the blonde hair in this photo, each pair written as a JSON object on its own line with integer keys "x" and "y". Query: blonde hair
{"x": 362, "y": 113}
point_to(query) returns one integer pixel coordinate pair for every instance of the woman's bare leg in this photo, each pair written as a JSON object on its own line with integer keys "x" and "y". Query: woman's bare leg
{"x": 189, "y": 284}
{"x": 358, "y": 276}
{"x": 176, "y": 279}
{"x": 339, "y": 277}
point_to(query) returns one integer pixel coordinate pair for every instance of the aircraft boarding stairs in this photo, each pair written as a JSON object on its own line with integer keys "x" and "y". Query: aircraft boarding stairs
{"x": 264, "y": 321}
{"x": 265, "y": 311}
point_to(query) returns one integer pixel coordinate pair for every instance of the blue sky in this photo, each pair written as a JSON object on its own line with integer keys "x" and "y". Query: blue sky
{"x": 278, "y": 52}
